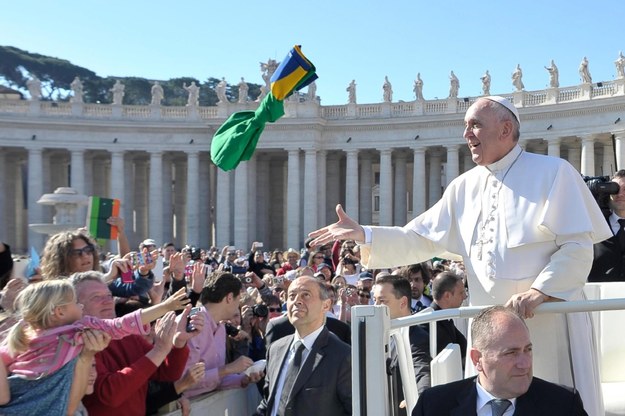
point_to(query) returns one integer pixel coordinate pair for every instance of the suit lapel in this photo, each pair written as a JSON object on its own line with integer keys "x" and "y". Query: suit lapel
{"x": 467, "y": 399}
{"x": 526, "y": 404}
{"x": 312, "y": 362}
{"x": 279, "y": 352}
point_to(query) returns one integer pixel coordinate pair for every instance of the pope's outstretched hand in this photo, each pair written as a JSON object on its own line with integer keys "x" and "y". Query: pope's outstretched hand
{"x": 344, "y": 229}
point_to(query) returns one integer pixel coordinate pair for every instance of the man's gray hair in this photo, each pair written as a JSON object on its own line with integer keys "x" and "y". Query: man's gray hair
{"x": 92, "y": 275}
{"x": 444, "y": 282}
{"x": 483, "y": 326}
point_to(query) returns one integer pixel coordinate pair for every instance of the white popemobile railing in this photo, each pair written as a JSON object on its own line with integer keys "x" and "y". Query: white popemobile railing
{"x": 370, "y": 352}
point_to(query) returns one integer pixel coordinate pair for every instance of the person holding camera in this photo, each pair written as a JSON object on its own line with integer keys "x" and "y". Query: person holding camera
{"x": 220, "y": 302}
{"x": 256, "y": 261}
{"x": 609, "y": 255}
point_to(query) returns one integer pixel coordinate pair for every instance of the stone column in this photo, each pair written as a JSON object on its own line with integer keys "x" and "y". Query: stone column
{"x": 333, "y": 195}
{"x": 128, "y": 204}
{"x": 553, "y": 146}
{"x": 453, "y": 163}
{"x": 180, "y": 202}
{"x": 321, "y": 188}
{"x": 419, "y": 186}
{"x": 310, "y": 191}
{"x": 193, "y": 200}
{"x": 77, "y": 179}
{"x": 386, "y": 187}
{"x": 351, "y": 184}
{"x": 141, "y": 200}
{"x": 252, "y": 198}
{"x": 619, "y": 143}
{"x": 435, "y": 177}
{"x": 4, "y": 185}
{"x": 366, "y": 179}
{"x": 223, "y": 217}
{"x": 293, "y": 201}
{"x": 575, "y": 157}
{"x": 35, "y": 191}
{"x": 268, "y": 203}
{"x": 588, "y": 156}
{"x": 155, "y": 197}
{"x": 241, "y": 204}
{"x": 400, "y": 213}
{"x": 608, "y": 165}
{"x": 168, "y": 212}
{"x": 206, "y": 237}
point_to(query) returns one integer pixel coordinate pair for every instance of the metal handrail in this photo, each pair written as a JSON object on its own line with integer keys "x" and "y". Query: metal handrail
{"x": 548, "y": 307}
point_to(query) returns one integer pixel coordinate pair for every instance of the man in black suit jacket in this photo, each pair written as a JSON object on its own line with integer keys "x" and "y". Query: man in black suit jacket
{"x": 323, "y": 384}
{"x": 609, "y": 255}
{"x": 395, "y": 293}
{"x": 502, "y": 355}
{"x": 448, "y": 291}
{"x": 281, "y": 327}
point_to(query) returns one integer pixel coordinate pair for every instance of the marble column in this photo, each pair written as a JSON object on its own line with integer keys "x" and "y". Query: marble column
{"x": 575, "y": 156}
{"x": 155, "y": 204}
{"x": 553, "y": 146}
{"x": 468, "y": 161}
{"x": 168, "y": 212}
{"x": 366, "y": 180}
{"x": 351, "y": 184}
{"x": 180, "y": 202}
{"x": 419, "y": 186}
{"x": 35, "y": 191}
{"x": 206, "y": 236}
{"x": 268, "y": 203}
{"x": 310, "y": 191}
{"x": 241, "y": 204}
{"x": 588, "y": 156}
{"x": 77, "y": 179}
{"x": 223, "y": 216}
{"x": 386, "y": 187}
{"x": 141, "y": 200}
{"x": 321, "y": 188}
{"x": 293, "y": 226}
{"x": 453, "y": 163}
{"x": 193, "y": 200}
{"x": 608, "y": 165}
{"x": 400, "y": 213}
{"x": 619, "y": 144}
{"x": 128, "y": 204}
{"x": 435, "y": 177}
{"x": 252, "y": 198}
{"x": 333, "y": 194}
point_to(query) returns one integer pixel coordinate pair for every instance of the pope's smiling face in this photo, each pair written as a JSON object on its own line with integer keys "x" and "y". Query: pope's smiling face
{"x": 488, "y": 136}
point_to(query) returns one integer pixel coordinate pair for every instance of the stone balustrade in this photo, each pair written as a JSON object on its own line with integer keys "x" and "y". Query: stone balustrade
{"x": 333, "y": 112}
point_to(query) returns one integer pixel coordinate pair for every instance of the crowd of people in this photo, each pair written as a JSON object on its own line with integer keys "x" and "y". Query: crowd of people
{"x": 164, "y": 324}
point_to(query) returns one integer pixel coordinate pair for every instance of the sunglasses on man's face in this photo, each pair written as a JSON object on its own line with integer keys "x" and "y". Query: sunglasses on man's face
{"x": 274, "y": 309}
{"x": 364, "y": 295}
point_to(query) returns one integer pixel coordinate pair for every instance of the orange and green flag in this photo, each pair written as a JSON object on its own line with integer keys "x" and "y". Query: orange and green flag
{"x": 99, "y": 211}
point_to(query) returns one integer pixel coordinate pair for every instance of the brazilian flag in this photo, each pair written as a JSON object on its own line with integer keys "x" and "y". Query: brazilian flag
{"x": 236, "y": 139}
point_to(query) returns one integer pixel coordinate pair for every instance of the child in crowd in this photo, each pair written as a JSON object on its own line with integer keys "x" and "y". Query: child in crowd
{"x": 49, "y": 332}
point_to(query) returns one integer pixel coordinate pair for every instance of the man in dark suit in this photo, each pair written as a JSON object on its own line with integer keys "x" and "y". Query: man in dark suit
{"x": 309, "y": 372}
{"x": 394, "y": 292}
{"x": 609, "y": 255}
{"x": 281, "y": 327}
{"x": 448, "y": 292}
{"x": 505, "y": 385}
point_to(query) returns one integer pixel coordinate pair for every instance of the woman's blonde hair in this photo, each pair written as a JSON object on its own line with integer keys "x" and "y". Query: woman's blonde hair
{"x": 35, "y": 306}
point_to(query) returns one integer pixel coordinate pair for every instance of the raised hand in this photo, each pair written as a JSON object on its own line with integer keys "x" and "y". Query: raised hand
{"x": 344, "y": 229}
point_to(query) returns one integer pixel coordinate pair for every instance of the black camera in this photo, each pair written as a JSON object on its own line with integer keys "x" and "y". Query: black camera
{"x": 601, "y": 187}
{"x": 192, "y": 312}
{"x": 194, "y": 252}
{"x": 260, "y": 311}
{"x": 231, "y": 330}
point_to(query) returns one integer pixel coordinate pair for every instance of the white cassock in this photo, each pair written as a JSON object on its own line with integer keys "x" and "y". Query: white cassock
{"x": 526, "y": 221}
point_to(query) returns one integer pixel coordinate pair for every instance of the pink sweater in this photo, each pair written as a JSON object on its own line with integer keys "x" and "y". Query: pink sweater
{"x": 52, "y": 348}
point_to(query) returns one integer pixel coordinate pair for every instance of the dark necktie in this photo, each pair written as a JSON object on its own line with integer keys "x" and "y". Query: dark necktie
{"x": 620, "y": 235}
{"x": 291, "y": 376}
{"x": 499, "y": 406}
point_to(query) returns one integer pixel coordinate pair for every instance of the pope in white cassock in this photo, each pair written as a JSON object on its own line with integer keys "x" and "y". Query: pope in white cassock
{"x": 525, "y": 225}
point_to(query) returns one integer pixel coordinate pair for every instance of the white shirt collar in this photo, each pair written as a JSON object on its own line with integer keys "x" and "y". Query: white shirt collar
{"x": 483, "y": 397}
{"x": 505, "y": 162}
{"x": 309, "y": 339}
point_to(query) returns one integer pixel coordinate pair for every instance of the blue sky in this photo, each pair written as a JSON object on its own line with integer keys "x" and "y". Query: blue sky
{"x": 362, "y": 40}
